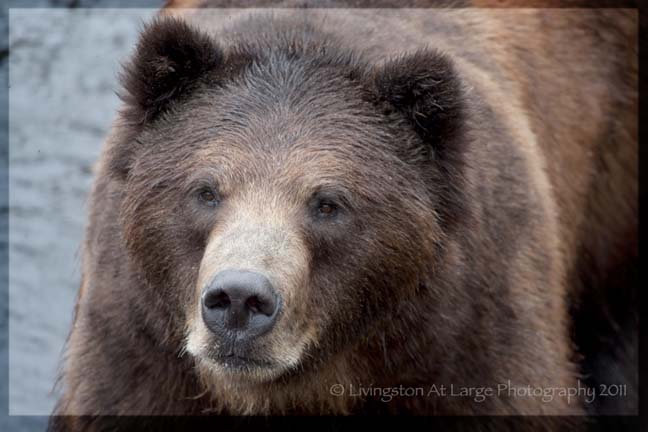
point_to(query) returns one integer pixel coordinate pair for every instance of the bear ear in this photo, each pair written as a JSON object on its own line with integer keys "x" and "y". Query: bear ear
{"x": 425, "y": 88}
{"x": 169, "y": 58}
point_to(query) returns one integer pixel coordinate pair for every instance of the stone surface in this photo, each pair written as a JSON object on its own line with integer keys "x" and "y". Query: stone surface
{"x": 63, "y": 67}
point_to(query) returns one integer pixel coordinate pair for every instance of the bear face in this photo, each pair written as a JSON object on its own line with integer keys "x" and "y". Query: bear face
{"x": 284, "y": 197}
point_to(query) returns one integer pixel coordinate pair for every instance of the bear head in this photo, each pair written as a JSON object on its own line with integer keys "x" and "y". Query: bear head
{"x": 283, "y": 197}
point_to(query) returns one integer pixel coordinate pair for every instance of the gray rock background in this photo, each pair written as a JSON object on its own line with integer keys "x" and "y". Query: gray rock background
{"x": 62, "y": 65}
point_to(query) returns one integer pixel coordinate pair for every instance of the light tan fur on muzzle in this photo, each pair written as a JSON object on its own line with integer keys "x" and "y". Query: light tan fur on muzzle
{"x": 261, "y": 237}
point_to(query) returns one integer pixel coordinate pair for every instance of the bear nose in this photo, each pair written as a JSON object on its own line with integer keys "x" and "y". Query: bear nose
{"x": 240, "y": 301}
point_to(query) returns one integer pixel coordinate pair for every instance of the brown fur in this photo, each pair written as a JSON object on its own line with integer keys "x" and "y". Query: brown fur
{"x": 480, "y": 231}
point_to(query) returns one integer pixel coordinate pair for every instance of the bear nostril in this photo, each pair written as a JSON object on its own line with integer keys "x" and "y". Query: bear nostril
{"x": 253, "y": 304}
{"x": 218, "y": 299}
{"x": 260, "y": 305}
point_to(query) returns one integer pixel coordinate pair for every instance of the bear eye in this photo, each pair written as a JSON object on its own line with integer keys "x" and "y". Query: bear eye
{"x": 208, "y": 197}
{"x": 326, "y": 209}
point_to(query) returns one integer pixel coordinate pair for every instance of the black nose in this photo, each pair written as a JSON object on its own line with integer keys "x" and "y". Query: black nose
{"x": 240, "y": 301}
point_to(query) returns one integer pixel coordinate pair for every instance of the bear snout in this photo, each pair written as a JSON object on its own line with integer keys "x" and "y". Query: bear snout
{"x": 240, "y": 305}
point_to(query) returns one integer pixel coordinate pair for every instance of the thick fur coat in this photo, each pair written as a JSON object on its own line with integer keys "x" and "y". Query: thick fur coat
{"x": 481, "y": 165}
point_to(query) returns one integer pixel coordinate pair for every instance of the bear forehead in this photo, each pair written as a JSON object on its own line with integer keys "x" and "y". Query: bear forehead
{"x": 308, "y": 162}
{"x": 330, "y": 130}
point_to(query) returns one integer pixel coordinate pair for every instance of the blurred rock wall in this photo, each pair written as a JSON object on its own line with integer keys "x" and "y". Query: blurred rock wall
{"x": 62, "y": 65}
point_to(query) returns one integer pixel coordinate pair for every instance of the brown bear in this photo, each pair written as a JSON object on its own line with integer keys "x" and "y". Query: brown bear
{"x": 359, "y": 212}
